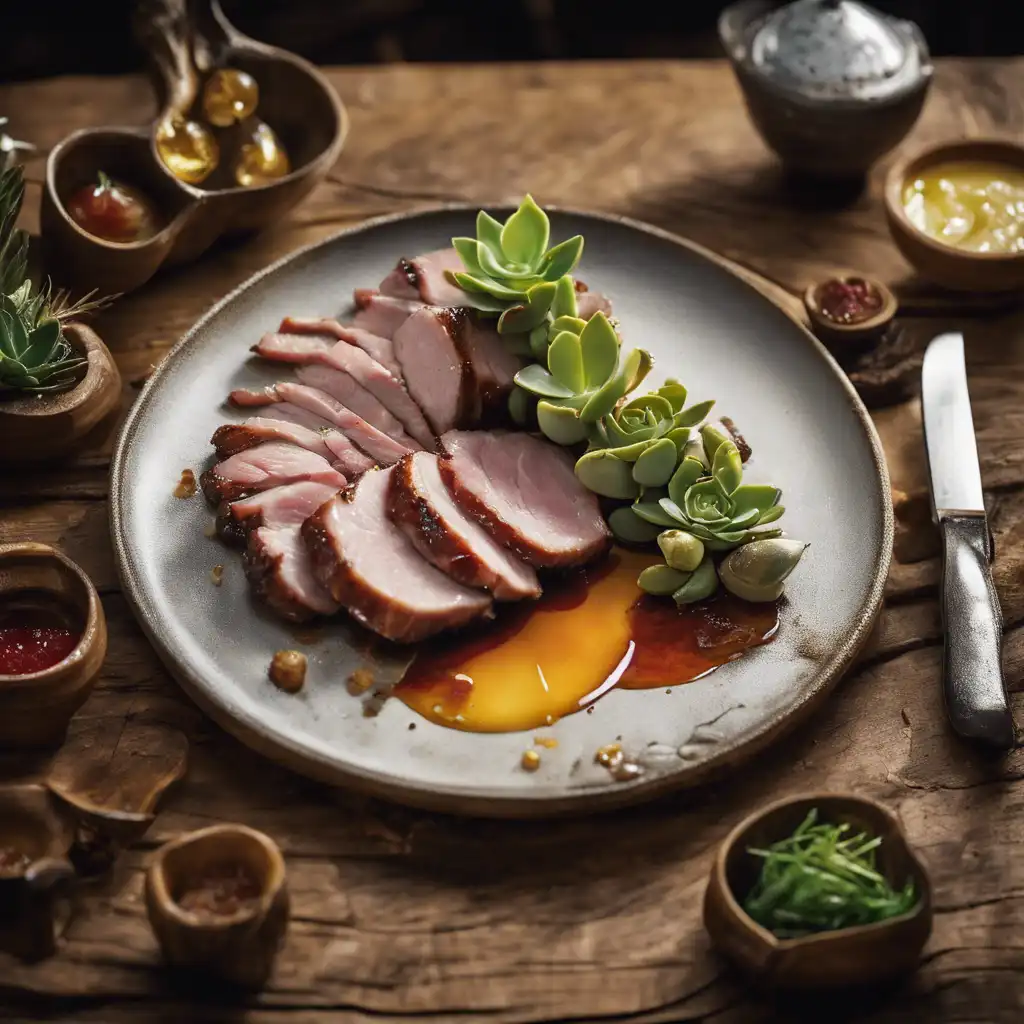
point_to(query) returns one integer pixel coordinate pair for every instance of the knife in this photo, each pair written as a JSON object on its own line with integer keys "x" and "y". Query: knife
{"x": 972, "y": 621}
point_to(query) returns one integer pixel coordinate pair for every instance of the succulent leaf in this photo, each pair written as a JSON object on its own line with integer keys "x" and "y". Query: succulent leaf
{"x": 756, "y": 496}
{"x": 525, "y": 234}
{"x": 682, "y": 550}
{"x": 630, "y": 528}
{"x": 705, "y": 504}
{"x": 712, "y": 437}
{"x": 560, "y": 423}
{"x": 602, "y": 473}
{"x": 536, "y": 379}
{"x": 686, "y": 475}
{"x": 567, "y": 322}
{"x": 488, "y": 286}
{"x": 564, "y": 304}
{"x": 757, "y": 571}
{"x": 488, "y": 231}
{"x": 600, "y": 346}
{"x": 526, "y": 316}
{"x": 565, "y": 361}
{"x": 661, "y": 580}
{"x": 727, "y": 467}
{"x": 703, "y": 582}
{"x": 695, "y": 414}
{"x": 771, "y": 515}
{"x": 562, "y": 259}
{"x": 653, "y": 512}
{"x": 656, "y": 463}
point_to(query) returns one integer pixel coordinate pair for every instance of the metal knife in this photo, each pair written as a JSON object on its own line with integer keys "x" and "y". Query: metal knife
{"x": 972, "y": 620}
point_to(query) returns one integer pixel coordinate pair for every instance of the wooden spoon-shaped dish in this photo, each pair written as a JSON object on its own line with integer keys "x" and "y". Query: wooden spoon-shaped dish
{"x": 186, "y": 41}
{"x": 845, "y": 958}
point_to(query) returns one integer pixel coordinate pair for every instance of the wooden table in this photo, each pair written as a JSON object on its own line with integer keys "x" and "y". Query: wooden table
{"x": 400, "y": 915}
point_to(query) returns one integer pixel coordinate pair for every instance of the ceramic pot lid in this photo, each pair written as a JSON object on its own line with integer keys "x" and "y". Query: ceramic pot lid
{"x": 836, "y": 49}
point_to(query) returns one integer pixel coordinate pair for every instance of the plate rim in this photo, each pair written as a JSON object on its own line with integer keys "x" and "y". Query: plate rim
{"x": 496, "y": 803}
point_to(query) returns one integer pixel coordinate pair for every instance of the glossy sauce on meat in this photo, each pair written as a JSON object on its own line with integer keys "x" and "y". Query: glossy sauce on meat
{"x": 590, "y": 633}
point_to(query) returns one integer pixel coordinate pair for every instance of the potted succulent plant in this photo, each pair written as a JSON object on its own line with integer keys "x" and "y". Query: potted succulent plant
{"x": 57, "y": 378}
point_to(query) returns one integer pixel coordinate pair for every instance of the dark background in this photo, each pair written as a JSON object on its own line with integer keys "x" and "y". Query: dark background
{"x": 45, "y": 37}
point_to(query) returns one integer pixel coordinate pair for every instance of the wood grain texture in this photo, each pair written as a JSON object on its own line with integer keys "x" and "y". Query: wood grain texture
{"x": 399, "y": 915}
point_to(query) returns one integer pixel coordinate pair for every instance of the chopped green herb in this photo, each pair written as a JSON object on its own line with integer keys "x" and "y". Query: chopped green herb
{"x": 822, "y": 878}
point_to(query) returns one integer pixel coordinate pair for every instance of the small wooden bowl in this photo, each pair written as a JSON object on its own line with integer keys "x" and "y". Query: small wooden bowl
{"x": 34, "y": 428}
{"x": 839, "y": 959}
{"x": 861, "y": 334}
{"x": 240, "y": 948}
{"x": 946, "y": 265}
{"x": 296, "y": 100}
{"x": 34, "y": 840}
{"x": 35, "y": 709}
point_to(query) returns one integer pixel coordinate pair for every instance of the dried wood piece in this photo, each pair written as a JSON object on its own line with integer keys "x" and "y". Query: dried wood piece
{"x": 113, "y": 784}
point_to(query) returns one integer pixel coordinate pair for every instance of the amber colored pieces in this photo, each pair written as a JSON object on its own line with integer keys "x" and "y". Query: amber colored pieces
{"x": 262, "y": 159}
{"x": 188, "y": 150}
{"x": 230, "y": 96}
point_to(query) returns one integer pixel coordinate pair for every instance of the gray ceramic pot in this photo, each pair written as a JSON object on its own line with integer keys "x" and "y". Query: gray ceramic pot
{"x": 831, "y": 85}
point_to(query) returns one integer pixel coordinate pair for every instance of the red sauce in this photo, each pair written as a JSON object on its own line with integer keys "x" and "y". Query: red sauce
{"x": 849, "y": 301}
{"x": 222, "y": 891}
{"x": 33, "y": 638}
{"x": 537, "y": 663}
{"x": 113, "y": 211}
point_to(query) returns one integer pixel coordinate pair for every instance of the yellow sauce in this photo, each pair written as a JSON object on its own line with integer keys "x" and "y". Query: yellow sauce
{"x": 972, "y": 205}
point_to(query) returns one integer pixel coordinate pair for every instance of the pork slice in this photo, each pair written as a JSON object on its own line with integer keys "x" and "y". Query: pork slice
{"x": 588, "y": 303}
{"x": 279, "y": 571}
{"x": 524, "y": 492}
{"x": 494, "y": 366}
{"x": 370, "y": 566}
{"x": 277, "y": 508}
{"x": 347, "y": 457}
{"x": 365, "y": 371}
{"x": 268, "y": 465}
{"x": 323, "y": 332}
{"x": 237, "y": 437}
{"x": 425, "y": 277}
{"x": 352, "y": 395}
{"x": 420, "y": 503}
{"x": 436, "y": 370}
{"x": 382, "y": 314}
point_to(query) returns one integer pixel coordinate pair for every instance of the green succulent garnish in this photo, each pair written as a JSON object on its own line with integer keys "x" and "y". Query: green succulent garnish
{"x": 823, "y": 878}
{"x": 682, "y": 476}
{"x": 35, "y": 356}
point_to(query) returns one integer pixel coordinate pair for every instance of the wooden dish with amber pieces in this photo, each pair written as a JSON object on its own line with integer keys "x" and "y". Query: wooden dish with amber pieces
{"x": 218, "y": 902}
{"x": 44, "y": 593}
{"x": 35, "y": 872}
{"x": 944, "y": 263}
{"x": 844, "y": 958}
{"x": 188, "y": 211}
{"x": 37, "y": 427}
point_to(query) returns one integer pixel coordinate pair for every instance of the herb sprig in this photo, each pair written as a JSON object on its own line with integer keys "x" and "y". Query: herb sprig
{"x": 822, "y": 878}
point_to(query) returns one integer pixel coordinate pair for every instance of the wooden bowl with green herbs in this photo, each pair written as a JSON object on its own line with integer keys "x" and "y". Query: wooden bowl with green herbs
{"x": 819, "y": 891}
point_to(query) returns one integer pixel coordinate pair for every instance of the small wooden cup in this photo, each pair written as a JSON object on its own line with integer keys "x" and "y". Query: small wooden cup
{"x": 239, "y": 948}
{"x": 953, "y": 268}
{"x": 859, "y": 336}
{"x": 34, "y": 428}
{"x": 35, "y": 709}
{"x": 34, "y": 872}
{"x": 838, "y": 959}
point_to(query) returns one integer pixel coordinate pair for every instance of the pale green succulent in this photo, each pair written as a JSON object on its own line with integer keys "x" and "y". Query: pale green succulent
{"x": 640, "y": 443}
{"x": 685, "y": 587}
{"x": 718, "y": 509}
{"x": 585, "y": 377}
{"x": 757, "y": 571}
{"x": 510, "y": 269}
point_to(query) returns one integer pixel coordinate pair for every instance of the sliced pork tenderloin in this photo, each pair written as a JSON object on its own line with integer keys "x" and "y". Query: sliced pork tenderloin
{"x": 382, "y": 315}
{"x": 268, "y": 465}
{"x": 420, "y": 503}
{"x": 370, "y": 566}
{"x": 324, "y": 331}
{"x": 524, "y": 492}
{"x": 364, "y": 370}
{"x": 238, "y": 437}
{"x": 425, "y": 278}
{"x": 280, "y": 573}
{"x": 588, "y": 303}
{"x": 277, "y": 508}
{"x": 367, "y": 438}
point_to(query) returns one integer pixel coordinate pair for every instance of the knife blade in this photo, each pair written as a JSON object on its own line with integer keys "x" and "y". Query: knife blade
{"x": 972, "y": 620}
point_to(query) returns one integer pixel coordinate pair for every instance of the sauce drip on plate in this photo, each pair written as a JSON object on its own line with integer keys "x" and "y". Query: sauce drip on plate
{"x": 594, "y": 631}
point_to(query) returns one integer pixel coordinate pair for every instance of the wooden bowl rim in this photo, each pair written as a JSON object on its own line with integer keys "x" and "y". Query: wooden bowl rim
{"x": 157, "y": 879}
{"x": 167, "y": 232}
{"x": 736, "y": 911}
{"x": 886, "y": 313}
{"x": 93, "y": 616}
{"x": 1010, "y": 152}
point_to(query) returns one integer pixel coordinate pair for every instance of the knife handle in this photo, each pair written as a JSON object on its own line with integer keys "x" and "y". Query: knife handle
{"x": 972, "y": 624}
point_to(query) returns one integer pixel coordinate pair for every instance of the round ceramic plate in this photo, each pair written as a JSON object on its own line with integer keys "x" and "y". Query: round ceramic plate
{"x": 810, "y": 435}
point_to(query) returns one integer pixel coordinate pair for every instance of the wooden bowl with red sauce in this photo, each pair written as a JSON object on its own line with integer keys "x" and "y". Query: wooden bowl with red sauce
{"x": 53, "y": 640}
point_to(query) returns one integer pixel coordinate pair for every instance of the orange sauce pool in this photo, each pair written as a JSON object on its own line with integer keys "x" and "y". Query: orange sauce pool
{"x": 594, "y": 631}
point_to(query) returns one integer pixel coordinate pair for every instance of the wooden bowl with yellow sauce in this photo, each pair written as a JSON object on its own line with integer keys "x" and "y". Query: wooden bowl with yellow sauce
{"x": 956, "y": 212}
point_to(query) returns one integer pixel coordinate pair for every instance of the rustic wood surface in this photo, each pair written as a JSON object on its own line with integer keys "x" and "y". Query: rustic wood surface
{"x": 401, "y": 915}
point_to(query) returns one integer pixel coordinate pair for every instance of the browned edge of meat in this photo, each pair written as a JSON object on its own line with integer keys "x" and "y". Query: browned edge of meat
{"x": 233, "y": 530}
{"x": 740, "y": 441}
{"x": 507, "y": 536}
{"x": 262, "y": 570}
{"x": 327, "y": 567}
{"x": 406, "y": 507}
{"x": 217, "y": 489}
{"x": 232, "y": 438}
{"x": 454, "y": 320}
